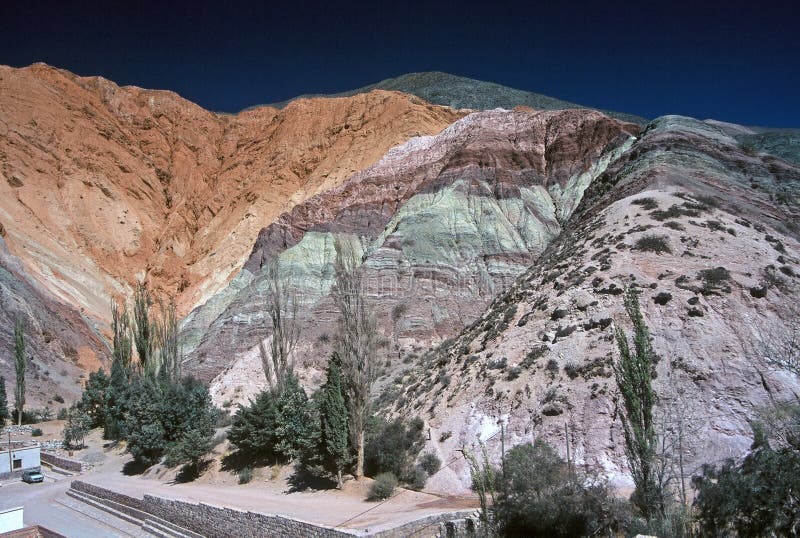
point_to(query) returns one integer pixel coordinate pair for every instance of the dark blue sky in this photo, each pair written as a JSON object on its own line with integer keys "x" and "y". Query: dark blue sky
{"x": 735, "y": 61}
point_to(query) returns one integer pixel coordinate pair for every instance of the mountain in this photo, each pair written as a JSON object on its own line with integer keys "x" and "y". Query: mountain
{"x": 103, "y": 184}
{"x": 462, "y": 92}
{"x": 443, "y": 223}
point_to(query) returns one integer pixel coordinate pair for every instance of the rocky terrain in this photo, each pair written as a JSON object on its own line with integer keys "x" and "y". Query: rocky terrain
{"x": 103, "y": 185}
{"x": 60, "y": 340}
{"x": 443, "y": 224}
{"x": 707, "y": 230}
{"x": 462, "y": 92}
{"x": 496, "y": 245}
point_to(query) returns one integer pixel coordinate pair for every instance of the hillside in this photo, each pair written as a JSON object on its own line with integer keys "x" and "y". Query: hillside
{"x": 707, "y": 230}
{"x": 443, "y": 223}
{"x": 103, "y": 186}
{"x": 462, "y": 92}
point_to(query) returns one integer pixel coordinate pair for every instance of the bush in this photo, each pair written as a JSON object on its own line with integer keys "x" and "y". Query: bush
{"x": 419, "y": 478}
{"x": 58, "y": 398}
{"x": 383, "y": 487}
{"x": 653, "y": 243}
{"x": 540, "y": 495}
{"x": 245, "y": 475}
{"x": 393, "y": 447}
{"x": 36, "y": 432}
{"x": 62, "y": 414}
{"x": 430, "y": 462}
{"x": 756, "y": 496}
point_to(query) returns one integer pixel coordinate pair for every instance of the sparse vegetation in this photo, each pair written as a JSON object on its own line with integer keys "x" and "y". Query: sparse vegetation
{"x": 653, "y": 243}
{"x": 20, "y": 365}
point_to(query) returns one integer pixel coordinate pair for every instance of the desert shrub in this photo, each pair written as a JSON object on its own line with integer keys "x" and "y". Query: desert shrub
{"x": 445, "y": 436}
{"x": 62, "y": 414}
{"x": 245, "y": 475}
{"x": 715, "y": 280}
{"x": 58, "y": 398}
{"x": 552, "y": 366}
{"x": 383, "y": 487}
{"x": 675, "y": 225}
{"x": 513, "y": 373}
{"x": 430, "y": 462}
{"x": 540, "y": 495}
{"x": 419, "y": 477}
{"x": 648, "y": 204}
{"x": 393, "y": 447}
{"x": 36, "y": 432}
{"x": 653, "y": 243}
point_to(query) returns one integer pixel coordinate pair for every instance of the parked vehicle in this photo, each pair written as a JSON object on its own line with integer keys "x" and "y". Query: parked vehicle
{"x": 32, "y": 477}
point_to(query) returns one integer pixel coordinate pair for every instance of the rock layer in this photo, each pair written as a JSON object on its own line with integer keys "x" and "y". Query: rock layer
{"x": 443, "y": 223}
{"x": 103, "y": 185}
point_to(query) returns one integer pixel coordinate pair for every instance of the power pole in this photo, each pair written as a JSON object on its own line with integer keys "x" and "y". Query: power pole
{"x": 566, "y": 438}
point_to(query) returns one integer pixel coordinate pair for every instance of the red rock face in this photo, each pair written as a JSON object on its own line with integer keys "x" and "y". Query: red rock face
{"x": 102, "y": 185}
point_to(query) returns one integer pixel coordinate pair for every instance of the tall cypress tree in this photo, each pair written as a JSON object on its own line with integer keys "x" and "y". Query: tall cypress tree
{"x": 20, "y": 364}
{"x": 334, "y": 439}
{"x": 3, "y": 401}
{"x": 635, "y": 380}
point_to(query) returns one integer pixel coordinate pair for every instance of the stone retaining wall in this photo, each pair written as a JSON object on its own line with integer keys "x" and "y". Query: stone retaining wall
{"x": 58, "y": 461}
{"x": 215, "y": 521}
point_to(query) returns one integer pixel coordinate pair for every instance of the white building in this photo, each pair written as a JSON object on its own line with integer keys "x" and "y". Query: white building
{"x": 18, "y": 457}
{"x": 11, "y": 519}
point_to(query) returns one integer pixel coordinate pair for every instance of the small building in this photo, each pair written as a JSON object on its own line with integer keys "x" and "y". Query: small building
{"x": 11, "y": 519}
{"x": 18, "y": 456}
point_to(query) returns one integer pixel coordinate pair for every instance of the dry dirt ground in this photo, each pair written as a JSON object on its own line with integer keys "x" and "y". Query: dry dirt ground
{"x": 269, "y": 492}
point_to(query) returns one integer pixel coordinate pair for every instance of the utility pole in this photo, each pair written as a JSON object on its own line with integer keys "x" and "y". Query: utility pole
{"x": 566, "y": 438}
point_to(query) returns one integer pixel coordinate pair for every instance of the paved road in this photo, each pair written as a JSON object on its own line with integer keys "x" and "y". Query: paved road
{"x": 43, "y": 506}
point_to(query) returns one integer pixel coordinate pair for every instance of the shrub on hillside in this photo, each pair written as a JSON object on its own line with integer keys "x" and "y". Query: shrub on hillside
{"x": 245, "y": 475}
{"x": 383, "y": 487}
{"x": 393, "y": 447}
{"x": 36, "y": 432}
{"x": 430, "y": 462}
{"x": 653, "y": 243}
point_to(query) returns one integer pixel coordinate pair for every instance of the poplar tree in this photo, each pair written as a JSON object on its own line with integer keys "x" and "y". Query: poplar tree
{"x": 20, "y": 364}
{"x": 634, "y": 377}
{"x": 3, "y": 401}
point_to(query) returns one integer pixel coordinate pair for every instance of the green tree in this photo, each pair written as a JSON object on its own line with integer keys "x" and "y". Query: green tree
{"x": 93, "y": 399}
{"x": 143, "y": 422}
{"x": 539, "y": 494}
{"x": 756, "y": 496}
{"x": 295, "y": 420}
{"x": 116, "y": 401}
{"x": 334, "y": 445}
{"x": 20, "y": 364}
{"x": 253, "y": 427}
{"x": 393, "y": 447}
{"x": 4, "y": 414}
{"x": 77, "y": 426}
{"x": 634, "y": 373}
{"x": 143, "y": 328}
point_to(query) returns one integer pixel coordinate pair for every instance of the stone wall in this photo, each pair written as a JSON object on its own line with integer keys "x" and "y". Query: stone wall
{"x": 63, "y": 463}
{"x": 450, "y": 525}
{"x": 213, "y": 521}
